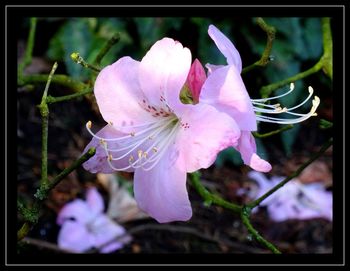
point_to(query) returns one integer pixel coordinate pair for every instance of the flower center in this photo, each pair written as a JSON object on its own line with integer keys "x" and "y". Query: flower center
{"x": 144, "y": 148}
{"x": 261, "y": 108}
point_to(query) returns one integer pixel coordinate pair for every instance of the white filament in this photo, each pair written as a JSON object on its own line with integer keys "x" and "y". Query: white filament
{"x": 160, "y": 133}
{"x": 277, "y": 109}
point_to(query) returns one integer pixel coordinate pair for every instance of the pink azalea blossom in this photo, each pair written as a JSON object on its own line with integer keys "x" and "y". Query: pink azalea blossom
{"x": 294, "y": 200}
{"x": 152, "y": 133}
{"x": 224, "y": 89}
{"x": 91, "y": 228}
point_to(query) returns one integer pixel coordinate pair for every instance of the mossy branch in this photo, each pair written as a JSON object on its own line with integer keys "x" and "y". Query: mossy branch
{"x": 210, "y": 198}
{"x": 59, "y": 79}
{"x": 275, "y": 132}
{"x": 27, "y": 59}
{"x": 43, "y": 192}
{"x": 325, "y": 63}
{"x": 113, "y": 40}
{"x": 265, "y": 57}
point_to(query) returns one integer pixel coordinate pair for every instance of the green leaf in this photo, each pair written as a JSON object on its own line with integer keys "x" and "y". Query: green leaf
{"x": 229, "y": 155}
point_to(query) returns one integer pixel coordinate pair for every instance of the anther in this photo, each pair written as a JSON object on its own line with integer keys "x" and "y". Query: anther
{"x": 291, "y": 86}
{"x": 154, "y": 149}
{"x": 89, "y": 124}
{"x": 139, "y": 153}
{"x": 110, "y": 157}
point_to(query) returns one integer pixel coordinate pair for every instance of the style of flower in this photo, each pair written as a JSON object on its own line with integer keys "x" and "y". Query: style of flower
{"x": 84, "y": 226}
{"x": 295, "y": 201}
{"x": 152, "y": 133}
{"x": 224, "y": 89}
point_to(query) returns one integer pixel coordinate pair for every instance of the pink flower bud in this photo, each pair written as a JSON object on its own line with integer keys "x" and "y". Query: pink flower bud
{"x": 195, "y": 79}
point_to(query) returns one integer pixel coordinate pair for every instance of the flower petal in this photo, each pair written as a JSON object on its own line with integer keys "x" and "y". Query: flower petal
{"x": 247, "y": 148}
{"x": 163, "y": 72}
{"x": 77, "y": 209}
{"x": 75, "y": 237}
{"x": 99, "y": 163}
{"x": 95, "y": 201}
{"x": 225, "y": 90}
{"x": 226, "y": 47}
{"x": 119, "y": 96}
{"x": 204, "y": 133}
{"x": 161, "y": 192}
{"x": 106, "y": 230}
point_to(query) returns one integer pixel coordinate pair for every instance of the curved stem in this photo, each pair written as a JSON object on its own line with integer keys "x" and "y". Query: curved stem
{"x": 267, "y": 90}
{"x": 265, "y": 57}
{"x": 44, "y": 112}
{"x": 113, "y": 40}
{"x": 284, "y": 128}
{"x": 27, "y": 59}
{"x": 59, "y": 79}
{"x": 79, "y": 60}
{"x": 245, "y": 219}
{"x": 51, "y": 99}
{"x": 43, "y": 192}
{"x": 325, "y": 62}
{"x": 209, "y": 197}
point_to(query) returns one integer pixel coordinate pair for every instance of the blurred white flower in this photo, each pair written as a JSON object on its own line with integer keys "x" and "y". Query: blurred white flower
{"x": 294, "y": 200}
{"x": 84, "y": 226}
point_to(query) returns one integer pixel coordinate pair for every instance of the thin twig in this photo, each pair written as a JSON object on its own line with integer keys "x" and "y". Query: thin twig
{"x": 325, "y": 63}
{"x": 60, "y": 79}
{"x": 283, "y": 129}
{"x": 79, "y": 60}
{"x": 27, "y": 59}
{"x": 265, "y": 91}
{"x": 265, "y": 57}
{"x": 45, "y": 244}
{"x": 51, "y": 99}
{"x": 181, "y": 229}
{"x": 43, "y": 191}
{"x": 211, "y": 198}
{"x": 113, "y": 40}
{"x": 44, "y": 112}
{"x": 245, "y": 219}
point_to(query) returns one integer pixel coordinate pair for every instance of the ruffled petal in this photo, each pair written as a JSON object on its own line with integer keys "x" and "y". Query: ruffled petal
{"x": 119, "y": 96}
{"x": 225, "y": 90}
{"x": 203, "y": 134}
{"x": 77, "y": 209}
{"x": 226, "y": 47}
{"x": 75, "y": 237}
{"x": 95, "y": 201}
{"x": 163, "y": 72}
{"x": 161, "y": 192}
{"x": 247, "y": 148}
{"x": 99, "y": 162}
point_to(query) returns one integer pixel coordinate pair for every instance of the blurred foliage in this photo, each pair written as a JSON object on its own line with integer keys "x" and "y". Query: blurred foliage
{"x": 298, "y": 45}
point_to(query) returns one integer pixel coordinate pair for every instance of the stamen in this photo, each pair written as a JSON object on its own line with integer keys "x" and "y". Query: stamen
{"x": 164, "y": 133}
{"x": 277, "y": 109}
{"x": 291, "y": 88}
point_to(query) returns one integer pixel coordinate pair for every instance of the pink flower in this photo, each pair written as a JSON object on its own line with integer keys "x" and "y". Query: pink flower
{"x": 224, "y": 89}
{"x": 152, "y": 133}
{"x": 294, "y": 200}
{"x": 91, "y": 228}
